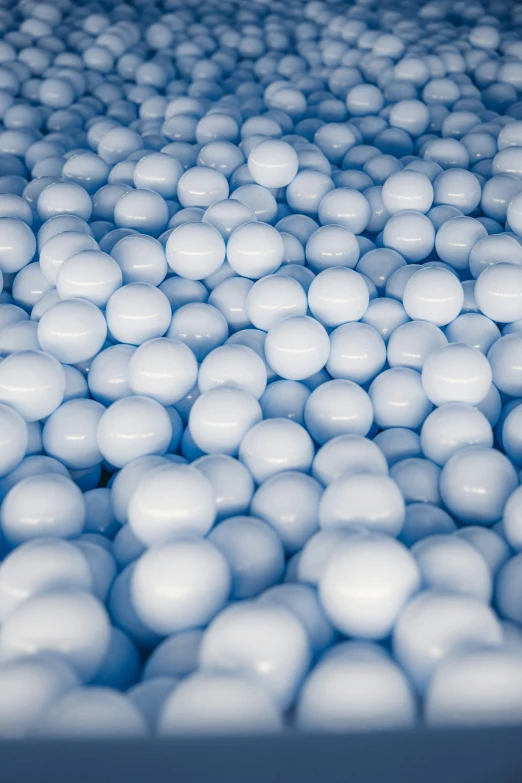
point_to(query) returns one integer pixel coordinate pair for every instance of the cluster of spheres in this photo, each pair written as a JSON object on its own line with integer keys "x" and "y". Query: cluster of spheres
{"x": 260, "y": 366}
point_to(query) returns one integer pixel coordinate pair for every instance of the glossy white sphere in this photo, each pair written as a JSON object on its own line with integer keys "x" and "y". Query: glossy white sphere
{"x": 348, "y": 454}
{"x": 255, "y": 250}
{"x": 169, "y": 499}
{"x": 433, "y": 294}
{"x": 133, "y": 427}
{"x": 337, "y": 296}
{"x": 266, "y": 642}
{"x": 449, "y": 563}
{"x": 72, "y": 331}
{"x": 297, "y": 347}
{"x": 381, "y": 696}
{"x": 221, "y": 417}
{"x": 232, "y": 483}
{"x": 195, "y": 250}
{"x": 475, "y": 484}
{"x": 407, "y": 190}
{"x": 69, "y": 622}
{"x": 95, "y": 712}
{"x": 70, "y": 434}
{"x": 217, "y": 703}
{"x": 452, "y": 427}
{"x": 456, "y": 373}
{"x": 276, "y": 445}
{"x": 338, "y": 407}
{"x": 138, "y": 312}
{"x": 481, "y": 687}
{"x": 254, "y": 553}
{"x": 33, "y": 383}
{"x": 180, "y": 584}
{"x": 233, "y": 365}
{"x": 357, "y": 353}
{"x": 90, "y": 275}
{"x": 435, "y": 624}
{"x": 273, "y": 163}
{"x": 399, "y": 399}
{"x": 370, "y": 501}
{"x": 273, "y": 298}
{"x": 498, "y": 292}
{"x": 366, "y": 583}
{"x": 163, "y": 369}
{"x": 46, "y": 504}
{"x": 29, "y": 687}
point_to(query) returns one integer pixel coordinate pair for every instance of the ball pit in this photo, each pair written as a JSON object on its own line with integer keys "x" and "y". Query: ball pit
{"x": 260, "y": 367}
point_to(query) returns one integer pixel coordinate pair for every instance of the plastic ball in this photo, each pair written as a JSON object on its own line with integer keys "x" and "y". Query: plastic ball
{"x": 133, "y": 427}
{"x": 475, "y": 484}
{"x": 456, "y": 373}
{"x": 433, "y": 294}
{"x": 347, "y": 588}
{"x": 195, "y": 250}
{"x": 337, "y": 296}
{"x": 273, "y": 163}
{"x": 180, "y": 584}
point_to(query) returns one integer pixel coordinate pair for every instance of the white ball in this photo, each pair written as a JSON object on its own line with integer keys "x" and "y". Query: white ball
{"x": 498, "y": 292}
{"x": 398, "y": 399}
{"x": 232, "y": 483}
{"x": 451, "y": 564}
{"x": 273, "y": 163}
{"x": 481, "y": 687}
{"x": 90, "y": 275}
{"x": 70, "y": 434}
{"x": 195, "y": 250}
{"x": 273, "y": 298}
{"x": 254, "y": 553}
{"x": 348, "y": 454}
{"x": 38, "y": 566}
{"x": 255, "y": 250}
{"x": 407, "y": 190}
{"x": 170, "y": 499}
{"x": 133, "y": 427}
{"x": 297, "y": 347}
{"x": 411, "y": 234}
{"x": 221, "y": 417}
{"x": 475, "y": 484}
{"x": 27, "y": 688}
{"x": 164, "y": 369}
{"x": 380, "y": 695}
{"x": 338, "y": 407}
{"x": 233, "y": 365}
{"x": 456, "y": 373}
{"x": 338, "y": 295}
{"x": 289, "y": 503}
{"x": 95, "y": 712}
{"x": 370, "y": 501}
{"x": 15, "y": 438}
{"x": 138, "y": 312}
{"x": 434, "y": 624}
{"x": 33, "y": 383}
{"x": 180, "y": 584}
{"x": 366, "y": 583}
{"x": 216, "y": 703}
{"x": 69, "y": 622}
{"x": 276, "y": 445}
{"x": 433, "y": 294}
{"x": 357, "y": 353}
{"x": 265, "y": 642}
{"x": 46, "y": 504}
{"x": 72, "y": 331}
{"x": 451, "y": 427}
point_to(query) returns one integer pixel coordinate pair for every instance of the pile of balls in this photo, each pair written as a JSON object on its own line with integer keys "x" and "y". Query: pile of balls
{"x": 260, "y": 366}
